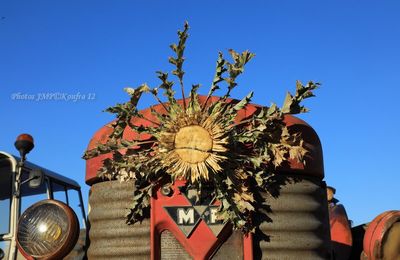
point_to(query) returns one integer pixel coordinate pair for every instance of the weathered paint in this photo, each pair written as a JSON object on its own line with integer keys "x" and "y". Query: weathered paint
{"x": 298, "y": 226}
{"x": 382, "y": 237}
{"x": 200, "y": 239}
{"x": 312, "y": 167}
{"x": 341, "y": 236}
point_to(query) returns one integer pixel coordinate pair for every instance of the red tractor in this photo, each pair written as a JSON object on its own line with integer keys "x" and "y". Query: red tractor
{"x": 304, "y": 221}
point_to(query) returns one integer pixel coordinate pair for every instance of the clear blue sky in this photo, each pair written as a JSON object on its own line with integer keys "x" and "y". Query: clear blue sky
{"x": 99, "y": 47}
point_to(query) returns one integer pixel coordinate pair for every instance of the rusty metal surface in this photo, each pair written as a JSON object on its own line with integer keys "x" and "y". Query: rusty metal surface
{"x": 231, "y": 249}
{"x": 110, "y": 236}
{"x": 171, "y": 249}
{"x": 312, "y": 167}
{"x": 391, "y": 247}
{"x": 299, "y": 225}
{"x": 314, "y": 164}
{"x": 382, "y": 237}
{"x": 193, "y": 224}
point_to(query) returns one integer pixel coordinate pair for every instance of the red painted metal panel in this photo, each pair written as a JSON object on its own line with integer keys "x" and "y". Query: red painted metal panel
{"x": 312, "y": 167}
{"x": 341, "y": 236}
{"x": 199, "y": 240}
{"x": 376, "y": 235}
{"x": 194, "y": 230}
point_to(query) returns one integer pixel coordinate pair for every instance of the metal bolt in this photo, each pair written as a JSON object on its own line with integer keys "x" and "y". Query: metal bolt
{"x": 166, "y": 190}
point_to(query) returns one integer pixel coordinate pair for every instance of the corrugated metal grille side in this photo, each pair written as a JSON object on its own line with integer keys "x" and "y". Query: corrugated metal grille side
{"x": 299, "y": 224}
{"x": 110, "y": 236}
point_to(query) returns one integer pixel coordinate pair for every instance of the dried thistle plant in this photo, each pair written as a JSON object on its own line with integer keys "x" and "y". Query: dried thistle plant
{"x": 201, "y": 143}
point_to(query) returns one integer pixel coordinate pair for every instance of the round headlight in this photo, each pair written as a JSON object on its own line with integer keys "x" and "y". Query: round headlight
{"x": 48, "y": 229}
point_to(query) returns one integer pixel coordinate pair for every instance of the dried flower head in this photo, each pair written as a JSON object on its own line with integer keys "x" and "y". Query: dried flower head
{"x": 200, "y": 141}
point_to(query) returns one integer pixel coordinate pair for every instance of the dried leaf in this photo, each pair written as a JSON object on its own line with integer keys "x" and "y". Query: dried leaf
{"x": 243, "y": 157}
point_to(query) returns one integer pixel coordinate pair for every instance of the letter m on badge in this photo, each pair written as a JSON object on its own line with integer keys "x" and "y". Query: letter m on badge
{"x": 185, "y": 217}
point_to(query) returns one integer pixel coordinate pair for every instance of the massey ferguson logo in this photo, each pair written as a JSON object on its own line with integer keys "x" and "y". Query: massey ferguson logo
{"x": 200, "y": 209}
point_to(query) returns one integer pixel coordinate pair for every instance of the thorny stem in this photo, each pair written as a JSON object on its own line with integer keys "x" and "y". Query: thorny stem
{"x": 145, "y": 142}
{"x": 219, "y": 71}
{"x": 183, "y": 92}
{"x": 159, "y": 101}
{"x": 205, "y": 103}
{"x": 236, "y": 205}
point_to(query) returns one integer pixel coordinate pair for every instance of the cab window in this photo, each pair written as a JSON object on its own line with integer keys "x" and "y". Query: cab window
{"x": 75, "y": 204}
{"x": 5, "y": 197}
{"x": 59, "y": 191}
{"x": 5, "y": 246}
{"x": 70, "y": 196}
{"x": 30, "y": 196}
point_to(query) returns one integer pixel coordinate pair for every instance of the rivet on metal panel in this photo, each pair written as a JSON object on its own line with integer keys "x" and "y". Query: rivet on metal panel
{"x": 166, "y": 190}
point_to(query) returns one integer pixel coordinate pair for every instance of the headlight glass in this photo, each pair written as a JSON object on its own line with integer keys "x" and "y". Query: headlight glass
{"x": 45, "y": 229}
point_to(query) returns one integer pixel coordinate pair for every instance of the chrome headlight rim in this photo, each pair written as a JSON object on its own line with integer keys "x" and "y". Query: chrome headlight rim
{"x": 72, "y": 232}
